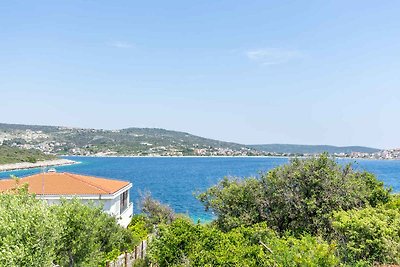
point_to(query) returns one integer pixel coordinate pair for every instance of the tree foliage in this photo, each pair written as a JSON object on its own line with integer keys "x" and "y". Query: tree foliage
{"x": 369, "y": 235}
{"x": 87, "y": 234}
{"x": 236, "y": 202}
{"x": 28, "y": 231}
{"x": 139, "y": 227}
{"x": 32, "y": 233}
{"x": 281, "y": 218}
{"x": 156, "y": 211}
{"x": 186, "y": 244}
{"x": 298, "y": 197}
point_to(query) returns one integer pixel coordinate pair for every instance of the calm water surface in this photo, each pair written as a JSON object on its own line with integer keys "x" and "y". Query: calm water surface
{"x": 175, "y": 180}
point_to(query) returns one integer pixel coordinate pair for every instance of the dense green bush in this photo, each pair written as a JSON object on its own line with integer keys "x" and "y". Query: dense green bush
{"x": 33, "y": 233}
{"x": 139, "y": 227}
{"x": 28, "y": 231}
{"x": 155, "y": 211}
{"x": 368, "y": 235}
{"x": 394, "y": 202}
{"x": 279, "y": 219}
{"x": 88, "y": 234}
{"x": 186, "y": 244}
{"x": 236, "y": 202}
{"x": 298, "y": 197}
{"x": 140, "y": 263}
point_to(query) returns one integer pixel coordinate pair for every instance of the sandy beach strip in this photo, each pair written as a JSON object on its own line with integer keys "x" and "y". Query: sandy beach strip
{"x": 39, "y": 164}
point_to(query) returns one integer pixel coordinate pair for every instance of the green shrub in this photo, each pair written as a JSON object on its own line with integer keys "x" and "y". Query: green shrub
{"x": 140, "y": 263}
{"x": 31, "y": 159}
{"x": 33, "y": 233}
{"x": 236, "y": 202}
{"x": 298, "y": 197}
{"x": 186, "y": 244}
{"x": 110, "y": 256}
{"x": 139, "y": 227}
{"x": 394, "y": 202}
{"x": 368, "y": 235}
{"x": 155, "y": 211}
{"x": 28, "y": 231}
{"x": 88, "y": 235}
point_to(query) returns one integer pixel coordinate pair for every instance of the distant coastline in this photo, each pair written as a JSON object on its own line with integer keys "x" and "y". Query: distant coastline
{"x": 57, "y": 140}
{"x": 174, "y": 156}
{"x": 39, "y": 164}
{"x": 219, "y": 156}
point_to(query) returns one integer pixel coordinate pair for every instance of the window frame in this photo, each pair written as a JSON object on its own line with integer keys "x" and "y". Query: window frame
{"x": 123, "y": 201}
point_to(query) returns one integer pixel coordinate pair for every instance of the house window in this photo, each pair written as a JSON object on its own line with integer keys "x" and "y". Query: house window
{"x": 123, "y": 202}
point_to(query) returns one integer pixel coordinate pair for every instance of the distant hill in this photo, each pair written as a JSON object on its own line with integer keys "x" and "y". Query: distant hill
{"x": 131, "y": 141}
{"x": 143, "y": 142}
{"x": 312, "y": 149}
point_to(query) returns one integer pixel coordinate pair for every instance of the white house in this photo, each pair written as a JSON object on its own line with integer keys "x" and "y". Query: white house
{"x": 53, "y": 186}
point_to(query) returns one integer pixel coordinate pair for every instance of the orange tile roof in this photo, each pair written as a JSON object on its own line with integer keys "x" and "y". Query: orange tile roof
{"x": 65, "y": 184}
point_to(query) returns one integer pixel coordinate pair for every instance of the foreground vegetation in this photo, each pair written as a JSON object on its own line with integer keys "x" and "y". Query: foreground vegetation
{"x": 33, "y": 233}
{"x": 310, "y": 212}
{"x": 15, "y": 155}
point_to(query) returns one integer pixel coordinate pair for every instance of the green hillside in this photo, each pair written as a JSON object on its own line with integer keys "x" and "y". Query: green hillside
{"x": 16, "y": 155}
{"x": 144, "y": 142}
{"x": 131, "y": 141}
{"x": 312, "y": 149}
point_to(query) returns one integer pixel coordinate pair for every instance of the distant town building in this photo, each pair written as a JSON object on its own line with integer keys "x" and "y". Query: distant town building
{"x": 53, "y": 186}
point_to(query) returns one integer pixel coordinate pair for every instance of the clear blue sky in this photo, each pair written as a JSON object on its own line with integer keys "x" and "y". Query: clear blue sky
{"x": 306, "y": 72}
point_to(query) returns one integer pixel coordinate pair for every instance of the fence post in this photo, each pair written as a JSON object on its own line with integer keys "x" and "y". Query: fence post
{"x": 135, "y": 252}
{"x": 141, "y": 251}
{"x": 126, "y": 259}
{"x": 107, "y": 264}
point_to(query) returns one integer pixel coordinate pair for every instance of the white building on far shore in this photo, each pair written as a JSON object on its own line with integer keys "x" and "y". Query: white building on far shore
{"x": 53, "y": 186}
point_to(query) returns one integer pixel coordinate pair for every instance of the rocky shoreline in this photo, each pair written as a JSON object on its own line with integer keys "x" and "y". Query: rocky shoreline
{"x": 39, "y": 164}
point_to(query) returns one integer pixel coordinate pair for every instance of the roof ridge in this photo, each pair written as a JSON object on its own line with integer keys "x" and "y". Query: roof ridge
{"x": 93, "y": 176}
{"x": 76, "y": 176}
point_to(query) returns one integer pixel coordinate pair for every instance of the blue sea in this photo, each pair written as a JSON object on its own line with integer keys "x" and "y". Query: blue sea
{"x": 174, "y": 181}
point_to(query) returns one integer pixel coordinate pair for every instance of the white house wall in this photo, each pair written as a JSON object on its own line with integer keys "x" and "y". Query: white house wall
{"x": 110, "y": 203}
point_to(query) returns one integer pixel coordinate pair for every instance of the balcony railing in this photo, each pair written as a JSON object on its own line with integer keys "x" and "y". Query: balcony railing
{"x": 127, "y": 208}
